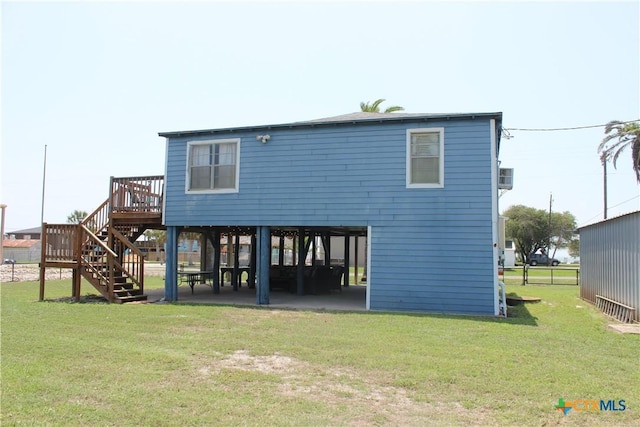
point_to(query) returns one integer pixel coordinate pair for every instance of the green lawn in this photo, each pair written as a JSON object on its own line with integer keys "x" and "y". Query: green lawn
{"x": 170, "y": 364}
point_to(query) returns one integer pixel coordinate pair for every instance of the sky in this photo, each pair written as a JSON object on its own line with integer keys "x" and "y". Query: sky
{"x": 95, "y": 82}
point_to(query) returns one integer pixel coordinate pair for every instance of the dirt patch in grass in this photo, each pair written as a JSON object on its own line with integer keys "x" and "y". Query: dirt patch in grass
{"x": 275, "y": 363}
{"x": 284, "y": 313}
{"x": 191, "y": 329}
{"x": 367, "y": 397}
{"x": 84, "y": 299}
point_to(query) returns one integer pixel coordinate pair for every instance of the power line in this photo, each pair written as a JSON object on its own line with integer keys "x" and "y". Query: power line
{"x": 626, "y": 201}
{"x": 565, "y": 128}
{"x": 615, "y": 206}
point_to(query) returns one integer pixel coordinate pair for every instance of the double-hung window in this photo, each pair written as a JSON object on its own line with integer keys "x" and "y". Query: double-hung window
{"x": 213, "y": 166}
{"x": 425, "y": 158}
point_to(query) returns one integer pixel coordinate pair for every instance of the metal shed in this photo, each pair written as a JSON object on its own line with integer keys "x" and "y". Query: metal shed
{"x": 21, "y": 250}
{"x": 610, "y": 265}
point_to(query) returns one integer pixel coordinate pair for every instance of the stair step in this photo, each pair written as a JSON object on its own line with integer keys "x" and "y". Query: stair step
{"x": 131, "y": 298}
{"x": 127, "y": 291}
{"x": 92, "y": 252}
{"x": 127, "y": 294}
{"x": 95, "y": 264}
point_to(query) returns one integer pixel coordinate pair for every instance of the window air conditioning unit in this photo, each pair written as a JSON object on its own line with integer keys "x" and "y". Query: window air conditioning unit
{"x": 505, "y": 179}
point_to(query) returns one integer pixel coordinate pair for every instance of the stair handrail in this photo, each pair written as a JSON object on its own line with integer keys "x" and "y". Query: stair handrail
{"x": 98, "y": 241}
{"x": 99, "y": 218}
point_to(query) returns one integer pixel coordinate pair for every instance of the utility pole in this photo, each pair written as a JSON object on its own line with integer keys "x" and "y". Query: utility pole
{"x": 2, "y": 207}
{"x": 44, "y": 176}
{"x": 604, "y": 159}
{"x": 549, "y": 246}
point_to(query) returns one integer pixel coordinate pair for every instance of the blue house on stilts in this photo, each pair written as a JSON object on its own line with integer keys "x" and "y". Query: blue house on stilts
{"x": 422, "y": 189}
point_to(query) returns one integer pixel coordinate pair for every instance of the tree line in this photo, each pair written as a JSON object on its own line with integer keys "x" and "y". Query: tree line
{"x": 534, "y": 229}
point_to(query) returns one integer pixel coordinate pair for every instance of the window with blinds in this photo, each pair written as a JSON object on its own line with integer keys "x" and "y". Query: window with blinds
{"x": 213, "y": 166}
{"x": 425, "y": 160}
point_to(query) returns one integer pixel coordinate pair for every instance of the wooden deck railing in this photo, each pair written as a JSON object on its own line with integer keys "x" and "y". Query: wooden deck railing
{"x": 59, "y": 242}
{"x": 134, "y": 195}
{"x": 137, "y": 194}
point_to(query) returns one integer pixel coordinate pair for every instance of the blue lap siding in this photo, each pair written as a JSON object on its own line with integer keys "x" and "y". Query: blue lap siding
{"x": 431, "y": 248}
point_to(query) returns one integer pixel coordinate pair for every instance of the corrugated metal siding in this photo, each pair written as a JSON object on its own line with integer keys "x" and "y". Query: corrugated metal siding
{"x": 356, "y": 176}
{"x": 22, "y": 254}
{"x": 610, "y": 260}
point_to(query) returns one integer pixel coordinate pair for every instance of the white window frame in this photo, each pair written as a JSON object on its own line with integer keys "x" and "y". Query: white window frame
{"x": 234, "y": 189}
{"x": 440, "y": 132}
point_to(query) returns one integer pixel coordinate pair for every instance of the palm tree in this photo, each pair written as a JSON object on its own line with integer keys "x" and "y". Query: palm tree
{"x": 619, "y": 135}
{"x": 76, "y": 217}
{"x": 375, "y": 107}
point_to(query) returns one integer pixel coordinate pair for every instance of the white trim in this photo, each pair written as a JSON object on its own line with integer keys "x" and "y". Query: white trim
{"x": 438, "y": 130}
{"x": 368, "y": 290}
{"x": 164, "y": 184}
{"x": 236, "y": 189}
{"x": 494, "y": 213}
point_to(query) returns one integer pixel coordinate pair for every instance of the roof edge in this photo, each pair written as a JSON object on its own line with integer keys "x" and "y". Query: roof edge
{"x": 339, "y": 121}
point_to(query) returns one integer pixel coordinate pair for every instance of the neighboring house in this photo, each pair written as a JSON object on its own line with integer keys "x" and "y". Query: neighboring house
{"x": 357, "y": 245}
{"x": 420, "y": 188}
{"x": 610, "y": 266}
{"x": 506, "y": 247}
{"x": 26, "y": 234}
{"x": 22, "y": 245}
{"x": 21, "y": 251}
{"x": 509, "y": 253}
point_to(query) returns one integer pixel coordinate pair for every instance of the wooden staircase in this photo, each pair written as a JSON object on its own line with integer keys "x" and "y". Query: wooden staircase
{"x": 101, "y": 247}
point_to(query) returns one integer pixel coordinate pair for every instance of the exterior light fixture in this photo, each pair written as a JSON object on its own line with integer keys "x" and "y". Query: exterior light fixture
{"x": 263, "y": 138}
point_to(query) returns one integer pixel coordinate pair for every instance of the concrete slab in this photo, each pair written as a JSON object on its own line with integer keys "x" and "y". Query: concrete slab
{"x": 517, "y": 300}
{"x": 352, "y": 298}
{"x": 625, "y": 328}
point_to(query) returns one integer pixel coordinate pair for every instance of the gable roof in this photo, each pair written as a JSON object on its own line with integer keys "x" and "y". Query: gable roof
{"x": 345, "y": 119}
{"x": 34, "y": 230}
